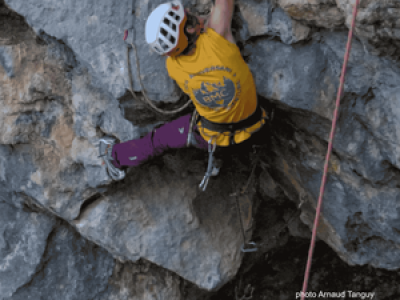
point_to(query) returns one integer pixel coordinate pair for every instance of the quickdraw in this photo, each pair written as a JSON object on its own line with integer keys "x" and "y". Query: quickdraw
{"x": 247, "y": 293}
{"x": 246, "y": 246}
{"x": 212, "y": 169}
{"x": 190, "y": 134}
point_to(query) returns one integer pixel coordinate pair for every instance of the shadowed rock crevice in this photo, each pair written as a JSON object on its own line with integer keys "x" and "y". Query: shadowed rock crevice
{"x": 86, "y": 206}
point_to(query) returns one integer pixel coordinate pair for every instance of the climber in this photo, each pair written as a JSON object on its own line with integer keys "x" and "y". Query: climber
{"x": 203, "y": 59}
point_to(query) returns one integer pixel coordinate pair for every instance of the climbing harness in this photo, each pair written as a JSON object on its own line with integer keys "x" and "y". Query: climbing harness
{"x": 222, "y": 128}
{"x": 232, "y": 128}
{"x": 147, "y": 100}
{"x": 331, "y": 136}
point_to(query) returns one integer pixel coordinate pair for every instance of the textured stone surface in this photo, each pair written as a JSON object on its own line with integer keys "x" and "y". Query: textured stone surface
{"x": 58, "y": 99}
{"x": 359, "y": 216}
{"x": 41, "y": 258}
{"x": 23, "y": 240}
{"x": 324, "y": 13}
{"x": 168, "y": 225}
{"x": 94, "y": 31}
{"x": 360, "y": 208}
{"x": 304, "y": 78}
{"x": 141, "y": 281}
{"x": 264, "y": 18}
{"x": 72, "y": 268}
{"x": 377, "y": 22}
{"x": 53, "y": 118}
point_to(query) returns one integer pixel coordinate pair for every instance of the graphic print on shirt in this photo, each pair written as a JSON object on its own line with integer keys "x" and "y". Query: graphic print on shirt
{"x": 214, "y": 94}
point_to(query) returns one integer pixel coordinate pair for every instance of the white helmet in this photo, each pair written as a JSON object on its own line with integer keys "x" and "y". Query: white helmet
{"x": 165, "y": 29}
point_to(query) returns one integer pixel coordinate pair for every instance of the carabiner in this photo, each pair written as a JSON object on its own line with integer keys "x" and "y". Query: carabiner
{"x": 254, "y": 249}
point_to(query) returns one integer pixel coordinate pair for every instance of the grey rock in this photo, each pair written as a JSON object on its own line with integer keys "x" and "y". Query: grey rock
{"x": 141, "y": 281}
{"x": 304, "y": 78}
{"x": 6, "y": 60}
{"x": 41, "y": 258}
{"x": 52, "y": 126}
{"x": 23, "y": 240}
{"x": 376, "y": 24}
{"x": 63, "y": 100}
{"x": 72, "y": 268}
{"x": 94, "y": 30}
{"x": 320, "y": 13}
{"x": 360, "y": 195}
{"x": 201, "y": 244}
{"x": 266, "y": 19}
{"x": 362, "y": 186}
{"x": 49, "y": 137}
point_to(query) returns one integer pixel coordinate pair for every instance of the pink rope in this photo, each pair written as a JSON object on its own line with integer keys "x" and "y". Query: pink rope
{"x": 328, "y": 154}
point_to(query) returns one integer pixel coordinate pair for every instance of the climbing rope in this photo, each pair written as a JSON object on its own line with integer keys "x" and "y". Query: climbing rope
{"x": 331, "y": 136}
{"x": 147, "y": 100}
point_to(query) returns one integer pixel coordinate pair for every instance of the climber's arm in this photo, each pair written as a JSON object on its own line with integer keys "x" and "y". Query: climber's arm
{"x": 221, "y": 18}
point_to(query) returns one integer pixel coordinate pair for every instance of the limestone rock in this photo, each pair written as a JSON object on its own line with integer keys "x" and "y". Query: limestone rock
{"x": 94, "y": 30}
{"x": 141, "y": 281}
{"x": 73, "y": 268}
{"x": 304, "y": 78}
{"x": 23, "y": 240}
{"x": 49, "y": 117}
{"x": 53, "y": 114}
{"x": 376, "y": 24}
{"x": 264, "y": 18}
{"x": 168, "y": 224}
{"x": 361, "y": 189}
{"x": 58, "y": 97}
{"x": 42, "y": 258}
{"x": 321, "y": 13}
{"x": 362, "y": 183}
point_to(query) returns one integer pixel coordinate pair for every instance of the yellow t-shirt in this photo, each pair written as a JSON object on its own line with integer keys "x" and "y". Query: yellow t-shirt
{"x": 220, "y": 84}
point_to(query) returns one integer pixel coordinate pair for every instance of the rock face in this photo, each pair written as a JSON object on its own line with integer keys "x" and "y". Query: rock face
{"x": 94, "y": 30}
{"x": 143, "y": 281}
{"x": 23, "y": 239}
{"x": 377, "y": 24}
{"x": 53, "y": 115}
{"x": 162, "y": 225}
{"x": 64, "y": 84}
{"x": 72, "y": 268}
{"x": 47, "y": 130}
{"x": 364, "y": 171}
{"x": 265, "y": 18}
{"x": 44, "y": 258}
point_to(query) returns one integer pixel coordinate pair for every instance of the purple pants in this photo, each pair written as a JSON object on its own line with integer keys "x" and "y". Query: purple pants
{"x": 170, "y": 135}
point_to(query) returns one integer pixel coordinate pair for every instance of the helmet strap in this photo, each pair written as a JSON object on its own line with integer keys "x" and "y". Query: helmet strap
{"x": 192, "y": 37}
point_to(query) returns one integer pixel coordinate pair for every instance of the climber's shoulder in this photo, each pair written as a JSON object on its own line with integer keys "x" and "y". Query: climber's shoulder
{"x": 221, "y": 18}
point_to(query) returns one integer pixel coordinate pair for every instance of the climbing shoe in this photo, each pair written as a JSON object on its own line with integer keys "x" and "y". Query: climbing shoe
{"x": 105, "y": 151}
